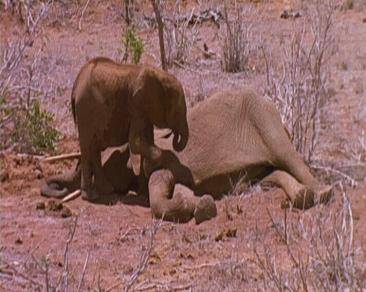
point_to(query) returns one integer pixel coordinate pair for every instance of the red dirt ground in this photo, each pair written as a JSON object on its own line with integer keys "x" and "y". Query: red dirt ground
{"x": 217, "y": 255}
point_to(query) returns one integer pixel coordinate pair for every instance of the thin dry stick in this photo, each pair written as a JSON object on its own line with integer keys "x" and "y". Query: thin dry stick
{"x": 280, "y": 234}
{"x": 62, "y": 157}
{"x": 66, "y": 256}
{"x": 20, "y": 274}
{"x": 47, "y": 276}
{"x": 83, "y": 273}
{"x": 144, "y": 257}
{"x": 71, "y": 196}
{"x": 82, "y": 14}
{"x": 165, "y": 286}
{"x": 350, "y": 215}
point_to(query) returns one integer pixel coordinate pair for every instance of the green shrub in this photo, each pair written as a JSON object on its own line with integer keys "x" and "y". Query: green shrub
{"x": 133, "y": 43}
{"x": 34, "y": 129}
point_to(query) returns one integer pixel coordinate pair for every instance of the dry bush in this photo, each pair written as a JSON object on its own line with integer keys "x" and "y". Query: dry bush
{"x": 238, "y": 40}
{"x": 299, "y": 86}
{"x": 179, "y": 34}
{"x": 23, "y": 124}
{"x": 309, "y": 251}
{"x": 320, "y": 253}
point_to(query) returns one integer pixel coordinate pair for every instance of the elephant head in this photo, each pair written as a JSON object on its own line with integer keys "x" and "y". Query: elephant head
{"x": 160, "y": 97}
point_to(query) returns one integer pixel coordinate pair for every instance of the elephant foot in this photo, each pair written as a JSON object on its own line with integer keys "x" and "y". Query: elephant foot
{"x": 304, "y": 199}
{"x": 323, "y": 193}
{"x": 90, "y": 195}
{"x": 205, "y": 209}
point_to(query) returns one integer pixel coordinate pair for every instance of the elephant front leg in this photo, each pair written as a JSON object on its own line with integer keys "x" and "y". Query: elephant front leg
{"x": 87, "y": 193}
{"x": 141, "y": 140}
{"x": 177, "y": 203}
{"x": 91, "y": 165}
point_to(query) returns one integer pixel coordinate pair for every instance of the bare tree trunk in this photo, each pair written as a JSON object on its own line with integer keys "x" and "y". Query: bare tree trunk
{"x": 127, "y": 12}
{"x": 161, "y": 33}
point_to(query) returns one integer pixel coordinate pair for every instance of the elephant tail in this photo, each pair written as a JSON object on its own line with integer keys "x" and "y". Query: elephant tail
{"x": 73, "y": 104}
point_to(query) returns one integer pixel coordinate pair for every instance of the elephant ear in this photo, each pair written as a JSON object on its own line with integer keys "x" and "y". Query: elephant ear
{"x": 149, "y": 96}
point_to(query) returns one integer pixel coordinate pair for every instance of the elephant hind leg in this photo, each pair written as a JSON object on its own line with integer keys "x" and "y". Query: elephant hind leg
{"x": 300, "y": 196}
{"x": 176, "y": 202}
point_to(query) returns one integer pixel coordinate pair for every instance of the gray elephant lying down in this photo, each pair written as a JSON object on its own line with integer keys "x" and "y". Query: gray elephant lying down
{"x": 233, "y": 133}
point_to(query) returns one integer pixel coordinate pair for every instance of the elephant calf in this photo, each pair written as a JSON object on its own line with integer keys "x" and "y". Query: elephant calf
{"x": 231, "y": 133}
{"x": 114, "y": 104}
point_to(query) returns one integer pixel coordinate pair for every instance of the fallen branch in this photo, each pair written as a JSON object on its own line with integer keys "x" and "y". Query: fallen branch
{"x": 163, "y": 286}
{"x": 71, "y": 196}
{"x": 62, "y": 157}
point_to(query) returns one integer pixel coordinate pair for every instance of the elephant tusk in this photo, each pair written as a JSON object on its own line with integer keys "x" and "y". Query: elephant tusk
{"x": 62, "y": 157}
{"x": 166, "y": 136}
{"x": 71, "y": 196}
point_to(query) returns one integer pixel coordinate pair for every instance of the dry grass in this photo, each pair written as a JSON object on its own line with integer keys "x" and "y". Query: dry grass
{"x": 238, "y": 40}
{"x": 320, "y": 253}
{"x": 299, "y": 83}
{"x": 23, "y": 124}
{"x": 307, "y": 251}
{"x": 180, "y": 36}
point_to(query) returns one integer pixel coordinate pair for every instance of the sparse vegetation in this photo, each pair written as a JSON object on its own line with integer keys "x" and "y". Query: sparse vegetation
{"x": 300, "y": 81}
{"x": 319, "y": 249}
{"x": 133, "y": 45}
{"x": 238, "y": 41}
{"x": 23, "y": 123}
{"x": 252, "y": 245}
{"x": 34, "y": 129}
{"x": 180, "y": 36}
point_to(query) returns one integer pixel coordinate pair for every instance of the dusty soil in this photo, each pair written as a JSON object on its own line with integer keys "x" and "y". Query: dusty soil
{"x": 44, "y": 242}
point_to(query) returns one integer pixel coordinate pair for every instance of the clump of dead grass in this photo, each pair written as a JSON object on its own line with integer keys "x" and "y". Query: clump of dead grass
{"x": 24, "y": 124}
{"x": 238, "y": 39}
{"x": 299, "y": 83}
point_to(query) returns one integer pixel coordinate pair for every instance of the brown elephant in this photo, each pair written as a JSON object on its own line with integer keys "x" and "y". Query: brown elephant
{"x": 233, "y": 133}
{"x": 114, "y": 104}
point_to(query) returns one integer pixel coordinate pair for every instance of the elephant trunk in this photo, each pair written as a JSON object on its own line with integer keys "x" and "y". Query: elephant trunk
{"x": 180, "y": 139}
{"x": 53, "y": 191}
{"x": 58, "y": 186}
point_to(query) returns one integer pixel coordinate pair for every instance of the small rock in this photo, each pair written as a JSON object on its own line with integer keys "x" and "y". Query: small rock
{"x": 54, "y": 206}
{"x": 154, "y": 259}
{"x": 19, "y": 241}
{"x": 40, "y": 206}
{"x": 290, "y": 14}
{"x": 4, "y": 175}
{"x": 231, "y": 232}
{"x": 66, "y": 212}
{"x": 219, "y": 236}
{"x": 38, "y": 174}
